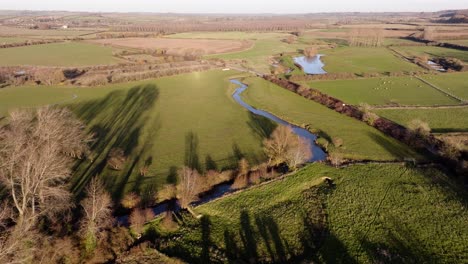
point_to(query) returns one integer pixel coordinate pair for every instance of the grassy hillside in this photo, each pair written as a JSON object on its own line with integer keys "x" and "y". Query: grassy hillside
{"x": 373, "y": 213}
{"x": 361, "y": 60}
{"x": 382, "y": 91}
{"x": 57, "y": 54}
{"x": 359, "y": 140}
{"x": 440, "y": 120}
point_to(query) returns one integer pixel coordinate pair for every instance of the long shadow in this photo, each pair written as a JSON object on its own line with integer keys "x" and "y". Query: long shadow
{"x": 116, "y": 121}
{"x": 261, "y": 126}
{"x": 210, "y": 163}
{"x": 205, "y": 239}
{"x": 269, "y": 231}
{"x": 402, "y": 246}
{"x": 335, "y": 251}
{"x": 393, "y": 148}
{"x": 449, "y": 130}
{"x": 192, "y": 157}
{"x": 248, "y": 239}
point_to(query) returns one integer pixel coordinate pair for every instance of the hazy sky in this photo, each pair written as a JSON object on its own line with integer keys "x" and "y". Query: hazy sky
{"x": 234, "y": 6}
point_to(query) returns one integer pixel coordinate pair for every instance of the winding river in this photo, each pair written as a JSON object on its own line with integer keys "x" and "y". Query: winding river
{"x": 225, "y": 188}
{"x": 318, "y": 153}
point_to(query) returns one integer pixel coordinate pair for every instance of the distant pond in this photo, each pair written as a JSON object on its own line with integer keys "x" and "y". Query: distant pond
{"x": 313, "y": 65}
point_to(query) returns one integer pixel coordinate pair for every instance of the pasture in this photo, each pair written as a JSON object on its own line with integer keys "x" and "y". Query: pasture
{"x": 360, "y": 141}
{"x": 178, "y": 46}
{"x": 258, "y": 57}
{"x": 162, "y": 124}
{"x": 372, "y": 213}
{"x": 57, "y": 54}
{"x": 384, "y": 91}
{"x": 360, "y": 60}
{"x": 439, "y": 120}
{"x": 431, "y": 51}
{"x": 454, "y": 83}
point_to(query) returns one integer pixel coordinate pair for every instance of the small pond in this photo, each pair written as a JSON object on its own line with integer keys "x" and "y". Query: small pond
{"x": 313, "y": 65}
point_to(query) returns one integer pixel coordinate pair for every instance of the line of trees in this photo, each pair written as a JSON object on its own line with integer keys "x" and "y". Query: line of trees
{"x": 360, "y": 37}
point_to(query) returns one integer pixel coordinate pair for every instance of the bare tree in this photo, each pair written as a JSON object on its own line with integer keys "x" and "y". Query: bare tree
{"x": 276, "y": 146}
{"x": 299, "y": 153}
{"x": 139, "y": 217}
{"x": 116, "y": 159}
{"x": 137, "y": 220}
{"x": 336, "y": 159}
{"x": 188, "y": 188}
{"x": 243, "y": 167}
{"x": 36, "y": 151}
{"x": 286, "y": 147}
{"x": 131, "y": 200}
{"x": 428, "y": 33}
{"x": 419, "y": 127}
{"x": 310, "y": 52}
{"x": 97, "y": 209}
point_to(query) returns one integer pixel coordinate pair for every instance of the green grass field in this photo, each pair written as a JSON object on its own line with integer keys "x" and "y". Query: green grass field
{"x": 360, "y": 141}
{"x": 58, "y": 54}
{"x": 440, "y": 120}
{"x": 454, "y": 83}
{"x": 159, "y": 123}
{"x": 361, "y": 60}
{"x": 412, "y": 51}
{"x": 166, "y": 123}
{"x": 397, "y": 41}
{"x": 382, "y": 91}
{"x": 258, "y": 56}
{"x": 372, "y": 214}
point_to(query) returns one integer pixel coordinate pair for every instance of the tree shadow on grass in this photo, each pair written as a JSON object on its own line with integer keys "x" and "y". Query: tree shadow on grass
{"x": 117, "y": 122}
{"x": 399, "y": 151}
{"x": 401, "y": 245}
{"x": 261, "y": 126}
{"x": 192, "y": 156}
{"x": 205, "y": 239}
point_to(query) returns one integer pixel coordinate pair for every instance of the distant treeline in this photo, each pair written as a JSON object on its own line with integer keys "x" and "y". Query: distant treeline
{"x": 279, "y": 24}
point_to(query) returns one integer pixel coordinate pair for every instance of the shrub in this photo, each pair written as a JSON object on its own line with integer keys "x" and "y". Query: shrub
{"x": 116, "y": 159}
{"x": 130, "y": 200}
{"x": 337, "y": 142}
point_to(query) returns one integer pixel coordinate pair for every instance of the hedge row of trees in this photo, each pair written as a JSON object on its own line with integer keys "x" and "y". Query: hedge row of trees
{"x": 98, "y": 75}
{"x": 361, "y": 37}
{"x": 446, "y": 152}
{"x": 27, "y": 43}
